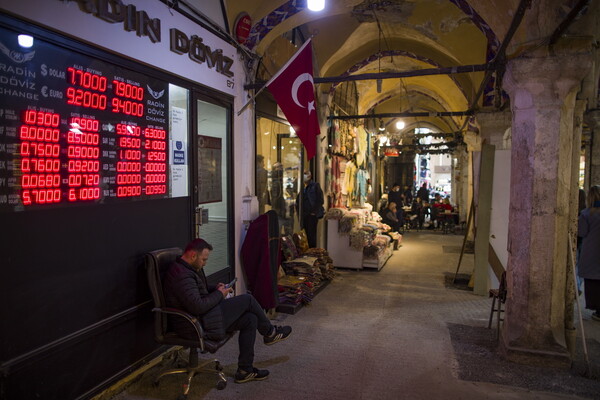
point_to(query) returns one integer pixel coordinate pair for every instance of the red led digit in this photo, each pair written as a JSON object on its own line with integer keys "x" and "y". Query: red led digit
{"x": 40, "y": 180}
{"x": 83, "y": 138}
{"x": 128, "y": 191}
{"x": 130, "y": 142}
{"x": 155, "y": 178}
{"x": 130, "y": 130}
{"x": 83, "y": 152}
{"x": 129, "y": 179}
{"x": 85, "y": 124}
{"x": 157, "y": 156}
{"x": 152, "y": 133}
{"x": 127, "y": 90}
{"x": 125, "y": 166}
{"x": 41, "y": 118}
{"x": 87, "y": 80}
{"x": 25, "y": 149}
{"x": 156, "y": 189}
{"x": 129, "y": 154}
{"x": 83, "y": 166}
{"x": 85, "y": 98}
{"x": 75, "y": 180}
{"x": 155, "y": 167}
{"x": 127, "y": 107}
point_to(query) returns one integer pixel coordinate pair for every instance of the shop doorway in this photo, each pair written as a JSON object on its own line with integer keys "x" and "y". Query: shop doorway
{"x": 213, "y": 221}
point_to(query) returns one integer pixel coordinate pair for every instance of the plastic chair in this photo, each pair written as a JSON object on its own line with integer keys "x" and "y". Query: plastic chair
{"x": 156, "y": 263}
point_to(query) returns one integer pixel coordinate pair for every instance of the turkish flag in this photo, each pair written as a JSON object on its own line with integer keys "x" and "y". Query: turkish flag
{"x": 294, "y": 91}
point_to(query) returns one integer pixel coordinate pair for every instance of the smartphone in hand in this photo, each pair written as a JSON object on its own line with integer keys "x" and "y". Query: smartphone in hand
{"x": 230, "y": 284}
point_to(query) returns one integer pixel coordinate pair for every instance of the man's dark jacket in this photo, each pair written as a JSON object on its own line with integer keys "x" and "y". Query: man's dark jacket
{"x": 186, "y": 289}
{"x": 313, "y": 200}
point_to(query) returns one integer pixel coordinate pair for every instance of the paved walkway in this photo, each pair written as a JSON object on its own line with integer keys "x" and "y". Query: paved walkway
{"x": 399, "y": 333}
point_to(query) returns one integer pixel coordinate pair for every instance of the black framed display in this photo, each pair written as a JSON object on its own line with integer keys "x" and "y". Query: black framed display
{"x": 75, "y": 129}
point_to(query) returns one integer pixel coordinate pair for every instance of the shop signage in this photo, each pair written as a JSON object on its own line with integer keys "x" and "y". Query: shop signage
{"x": 242, "y": 26}
{"x": 114, "y": 11}
{"x": 138, "y": 21}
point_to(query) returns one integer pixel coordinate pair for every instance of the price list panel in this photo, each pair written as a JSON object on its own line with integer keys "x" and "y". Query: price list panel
{"x": 75, "y": 129}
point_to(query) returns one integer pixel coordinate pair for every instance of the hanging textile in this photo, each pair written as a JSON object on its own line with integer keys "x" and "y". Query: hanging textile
{"x": 261, "y": 257}
{"x": 362, "y": 146}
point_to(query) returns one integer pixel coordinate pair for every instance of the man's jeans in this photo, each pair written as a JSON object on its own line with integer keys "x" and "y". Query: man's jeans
{"x": 243, "y": 313}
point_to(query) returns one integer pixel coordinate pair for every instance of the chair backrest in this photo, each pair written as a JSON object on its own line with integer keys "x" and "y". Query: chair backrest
{"x": 156, "y": 264}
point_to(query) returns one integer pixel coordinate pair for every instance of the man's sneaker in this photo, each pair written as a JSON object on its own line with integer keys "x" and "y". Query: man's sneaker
{"x": 596, "y": 316}
{"x": 279, "y": 333}
{"x": 256, "y": 374}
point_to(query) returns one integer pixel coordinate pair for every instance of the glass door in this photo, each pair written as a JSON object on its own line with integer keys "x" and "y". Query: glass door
{"x": 213, "y": 215}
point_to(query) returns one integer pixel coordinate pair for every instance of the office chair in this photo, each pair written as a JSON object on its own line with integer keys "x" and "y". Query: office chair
{"x": 156, "y": 264}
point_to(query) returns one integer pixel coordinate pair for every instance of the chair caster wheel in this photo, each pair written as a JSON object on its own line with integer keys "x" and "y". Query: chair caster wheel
{"x": 221, "y": 385}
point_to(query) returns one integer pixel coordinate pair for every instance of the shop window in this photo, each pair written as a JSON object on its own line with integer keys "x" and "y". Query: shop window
{"x": 214, "y": 183}
{"x": 279, "y": 166}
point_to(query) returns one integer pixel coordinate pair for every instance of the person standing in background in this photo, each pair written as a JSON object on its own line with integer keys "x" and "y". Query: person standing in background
{"x": 312, "y": 208}
{"x": 262, "y": 178}
{"x": 423, "y": 193}
{"x": 589, "y": 260}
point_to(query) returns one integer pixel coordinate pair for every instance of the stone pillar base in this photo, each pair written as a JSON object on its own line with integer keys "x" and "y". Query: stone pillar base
{"x": 559, "y": 358}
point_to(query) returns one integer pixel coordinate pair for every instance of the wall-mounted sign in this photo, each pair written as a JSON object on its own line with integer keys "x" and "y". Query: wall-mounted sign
{"x": 242, "y": 27}
{"x": 149, "y": 32}
{"x": 391, "y": 152}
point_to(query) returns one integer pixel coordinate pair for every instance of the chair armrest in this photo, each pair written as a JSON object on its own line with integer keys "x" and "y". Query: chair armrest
{"x": 190, "y": 318}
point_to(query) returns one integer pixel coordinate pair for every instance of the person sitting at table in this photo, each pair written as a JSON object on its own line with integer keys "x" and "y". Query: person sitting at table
{"x": 390, "y": 218}
{"x": 446, "y": 212}
{"x": 417, "y": 209}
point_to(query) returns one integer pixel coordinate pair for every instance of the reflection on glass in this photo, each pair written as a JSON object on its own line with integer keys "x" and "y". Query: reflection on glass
{"x": 213, "y": 130}
{"x": 279, "y": 164}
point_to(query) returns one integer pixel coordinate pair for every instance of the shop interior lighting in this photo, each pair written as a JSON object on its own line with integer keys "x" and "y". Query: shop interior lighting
{"x": 25, "y": 41}
{"x": 400, "y": 125}
{"x": 381, "y": 125}
{"x": 316, "y": 5}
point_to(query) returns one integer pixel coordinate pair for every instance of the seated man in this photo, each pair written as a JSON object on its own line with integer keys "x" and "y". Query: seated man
{"x": 390, "y": 217}
{"x": 185, "y": 287}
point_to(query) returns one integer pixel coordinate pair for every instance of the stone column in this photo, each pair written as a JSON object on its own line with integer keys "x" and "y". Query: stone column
{"x": 473, "y": 142}
{"x": 570, "y": 329}
{"x": 542, "y": 89}
{"x": 493, "y": 125}
{"x": 592, "y": 118}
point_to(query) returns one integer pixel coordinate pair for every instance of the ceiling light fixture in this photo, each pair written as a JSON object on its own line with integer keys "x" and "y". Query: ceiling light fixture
{"x": 316, "y": 5}
{"x": 381, "y": 125}
{"x": 400, "y": 125}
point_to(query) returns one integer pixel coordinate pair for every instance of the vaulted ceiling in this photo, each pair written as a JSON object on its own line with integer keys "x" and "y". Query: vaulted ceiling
{"x": 352, "y": 37}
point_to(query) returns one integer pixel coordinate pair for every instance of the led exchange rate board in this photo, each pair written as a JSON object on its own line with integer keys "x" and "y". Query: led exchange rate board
{"x": 75, "y": 129}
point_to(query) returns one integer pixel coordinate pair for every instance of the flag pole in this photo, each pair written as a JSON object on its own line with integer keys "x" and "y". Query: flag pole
{"x": 274, "y": 76}
{"x": 252, "y": 99}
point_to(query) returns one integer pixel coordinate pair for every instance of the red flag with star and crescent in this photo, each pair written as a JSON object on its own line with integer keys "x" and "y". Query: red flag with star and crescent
{"x": 294, "y": 91}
